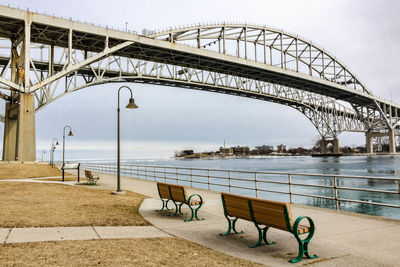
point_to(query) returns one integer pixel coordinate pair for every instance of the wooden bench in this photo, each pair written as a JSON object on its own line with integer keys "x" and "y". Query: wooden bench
{"x": 270, "y": 214}
{"x": 177, "y": 194}
{"x": 91, "y": 178}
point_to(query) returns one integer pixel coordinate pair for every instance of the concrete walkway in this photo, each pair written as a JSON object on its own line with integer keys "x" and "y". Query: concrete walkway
{"x": 341, "y": 238}
{"x": 36, "y": 234}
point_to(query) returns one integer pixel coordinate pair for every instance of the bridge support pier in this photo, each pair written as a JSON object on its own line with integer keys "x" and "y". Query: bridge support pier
{"x": 392, "y": 142}
{"x": 368, "y": 142}
{"x": 19, "y": 143}
{"x": 335, "y": 146}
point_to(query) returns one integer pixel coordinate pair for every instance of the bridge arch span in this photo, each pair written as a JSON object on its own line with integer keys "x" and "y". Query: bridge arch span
{"x": 239, "y": 59}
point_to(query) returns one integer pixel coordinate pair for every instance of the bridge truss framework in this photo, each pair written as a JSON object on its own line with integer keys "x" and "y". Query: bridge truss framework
{"x": 43, "y": 58}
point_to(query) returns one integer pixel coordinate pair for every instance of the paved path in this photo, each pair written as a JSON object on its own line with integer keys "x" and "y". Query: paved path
{"x": 40, "y": 234}
{"x": 341, "y": 238}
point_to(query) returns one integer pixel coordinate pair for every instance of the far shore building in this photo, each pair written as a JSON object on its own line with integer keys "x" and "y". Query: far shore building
{"x": 241, "y": 150}
{"x": 281, "y": 148}
{"x": 226, "y": 151}
{"x": 264, "y": 150}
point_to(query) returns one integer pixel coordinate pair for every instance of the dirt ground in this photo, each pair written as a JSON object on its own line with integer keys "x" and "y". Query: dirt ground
{"x": 27, "y": 170}
{"x": 48, "y": 205}
{"x": 122, "y": 252}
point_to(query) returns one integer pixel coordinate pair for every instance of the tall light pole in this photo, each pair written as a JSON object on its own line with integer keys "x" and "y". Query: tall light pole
{"x": 131, "y": 105}
{"x": 52, "y": 151}
{"x": 69, "y": 134}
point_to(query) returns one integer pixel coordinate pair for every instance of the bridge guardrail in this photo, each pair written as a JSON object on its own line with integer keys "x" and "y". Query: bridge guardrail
{"x": 323, "y": 187}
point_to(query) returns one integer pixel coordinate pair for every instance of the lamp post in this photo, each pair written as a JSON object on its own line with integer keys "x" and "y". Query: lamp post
{"x": 53, "y": 147}
{"x": 131, "y": 105}
{"x": 69, "y": 134}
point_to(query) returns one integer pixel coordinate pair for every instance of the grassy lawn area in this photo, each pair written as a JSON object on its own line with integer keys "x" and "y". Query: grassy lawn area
{"x": 18, "y": 170}
{"x": 122, "y": 252}
{"x": 47, "y": 205}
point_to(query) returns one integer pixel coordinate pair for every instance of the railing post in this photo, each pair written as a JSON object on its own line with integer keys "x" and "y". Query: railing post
{"x": 290, "y": 188}
{"x": 398, "y": 184}
{"x": 145, "y": 172}
{"x": 165, "y": 176}
{"x": 176, "y": 171}
{"x": 154, "y": 173}
{"x": 137, "y": 171}
{"x": 208, "y": 179}
{"x": 255, "y": 183}
{"x": 336, "y": 193}
{"x": 191, "y": 178}
{"x": 229, "y": 180}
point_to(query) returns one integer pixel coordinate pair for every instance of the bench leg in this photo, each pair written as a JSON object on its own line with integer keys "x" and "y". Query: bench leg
{"x": 231, "y": 226}
{"x": 303, "y": 250}
{"x": 262, "y": 235}
{"x": 194, "y": 214}
{"x": 265, "y": 236}
{"x": 176, "y": 210}
{"x": 260, "y": 238}
{"x": 191, "y": 217}
{"x": 164, "y": 205}
{"x": 180, "y": 209}
{"x": 303, "y": 243}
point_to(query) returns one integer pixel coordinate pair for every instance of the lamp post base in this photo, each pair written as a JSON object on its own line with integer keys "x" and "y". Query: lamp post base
{"x": 118, "y": 193}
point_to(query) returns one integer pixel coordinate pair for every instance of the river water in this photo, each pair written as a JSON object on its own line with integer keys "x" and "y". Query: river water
{"x": 377, "y": 166}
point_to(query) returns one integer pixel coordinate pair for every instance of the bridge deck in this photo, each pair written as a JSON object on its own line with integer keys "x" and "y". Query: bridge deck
{"x": 51, "y": 30}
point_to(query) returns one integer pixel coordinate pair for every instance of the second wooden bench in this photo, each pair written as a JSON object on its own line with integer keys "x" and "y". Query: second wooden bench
{"x": 177, "y": 194}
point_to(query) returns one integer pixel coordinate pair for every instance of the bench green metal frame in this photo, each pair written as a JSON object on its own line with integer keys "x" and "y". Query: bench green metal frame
{"x": 178, "y": 204}
{"x": 262, "y": 232}
{"x": 92, "y": 178}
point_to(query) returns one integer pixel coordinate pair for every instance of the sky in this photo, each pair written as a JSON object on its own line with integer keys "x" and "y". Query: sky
{"x": 362, "y": 34}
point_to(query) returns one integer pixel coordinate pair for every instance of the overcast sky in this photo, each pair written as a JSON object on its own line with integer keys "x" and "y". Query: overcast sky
{"x": 362, "y": 34}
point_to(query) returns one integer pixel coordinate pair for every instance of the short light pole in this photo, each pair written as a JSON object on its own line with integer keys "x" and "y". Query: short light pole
{"x": 131, "y": 105}
{"x": 69, "y": 134}
{"x": 43, "y": 152}
{"x": 53, "y": 147}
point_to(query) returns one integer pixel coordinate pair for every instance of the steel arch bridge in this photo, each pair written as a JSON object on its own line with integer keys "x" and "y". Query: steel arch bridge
{"x": 43, "y": 58}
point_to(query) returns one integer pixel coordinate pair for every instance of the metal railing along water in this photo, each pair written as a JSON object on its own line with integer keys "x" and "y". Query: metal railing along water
{"x": 332, "y": 191}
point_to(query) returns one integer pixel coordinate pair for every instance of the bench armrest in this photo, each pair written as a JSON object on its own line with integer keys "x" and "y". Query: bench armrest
{"x": 191, "y": 196}
{"x": 296, "y": 227}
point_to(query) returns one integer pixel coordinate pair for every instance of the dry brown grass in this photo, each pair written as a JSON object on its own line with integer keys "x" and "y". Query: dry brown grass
{"x": 45, "y": 205}
{"x": 123, "y": 252}
{"x": 18, "y": 170}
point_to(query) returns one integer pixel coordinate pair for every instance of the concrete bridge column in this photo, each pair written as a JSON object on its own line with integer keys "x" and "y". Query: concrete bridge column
{"x": 324, "y": 146}
{"x": 19, "y": 130}
{"x": 368, "y": 142}
{"x": 335, "y": 145}
{"x": 392, "y": 142}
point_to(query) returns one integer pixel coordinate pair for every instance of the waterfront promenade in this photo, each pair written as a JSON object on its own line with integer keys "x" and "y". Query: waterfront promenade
{"x": 341, "y": 238}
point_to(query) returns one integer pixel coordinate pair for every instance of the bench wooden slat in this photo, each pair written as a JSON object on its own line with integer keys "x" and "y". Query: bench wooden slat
{"x": 266, "y": 219}
{"x": 239, "y": 213}
{"x": 237, "y": 204}
{"x": 178, "y": 193}
{"x": 164, "y": 191}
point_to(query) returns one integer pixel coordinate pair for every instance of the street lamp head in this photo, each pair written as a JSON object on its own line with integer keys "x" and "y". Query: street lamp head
{"x": 70, "y": 133}
{"x": 131, "y": 103}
